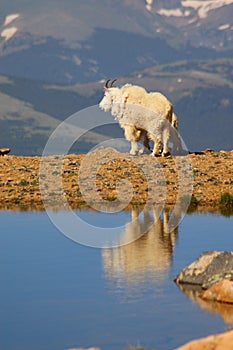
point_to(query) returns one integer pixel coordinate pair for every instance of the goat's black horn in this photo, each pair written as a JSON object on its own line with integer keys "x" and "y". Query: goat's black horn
{"x": 113, "y": 82}
{"x": 106, "y": 84}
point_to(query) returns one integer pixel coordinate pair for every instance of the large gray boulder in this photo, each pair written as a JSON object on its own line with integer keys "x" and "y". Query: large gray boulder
{"x": 210, "y": 268}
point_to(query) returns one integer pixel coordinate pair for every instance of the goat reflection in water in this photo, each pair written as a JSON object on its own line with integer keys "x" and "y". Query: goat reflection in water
{"x": 148, "y": 254}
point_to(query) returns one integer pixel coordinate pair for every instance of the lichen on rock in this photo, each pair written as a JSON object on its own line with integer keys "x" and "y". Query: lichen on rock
{"x": 210, "y": 268}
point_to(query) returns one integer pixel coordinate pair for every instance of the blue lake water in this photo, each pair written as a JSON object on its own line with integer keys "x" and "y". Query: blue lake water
{"x": 58, "y": 294}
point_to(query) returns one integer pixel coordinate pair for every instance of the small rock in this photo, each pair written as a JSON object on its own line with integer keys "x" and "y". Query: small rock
{"x": 213, "y": 342}
{"x": 221, "y": 291}
{"x": 208, "y": 150}
{"x": 4, "y": 151}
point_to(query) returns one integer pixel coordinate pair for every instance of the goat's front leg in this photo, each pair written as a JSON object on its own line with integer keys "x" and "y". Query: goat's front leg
{"x": 133, "y": 135}
{"x": 134, "y": 148}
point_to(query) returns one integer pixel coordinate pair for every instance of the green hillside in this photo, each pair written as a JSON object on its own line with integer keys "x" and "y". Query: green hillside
{"x": 26, "y": 130}
{"x": 23, "y": 129}
{"x": 200, "y": 90}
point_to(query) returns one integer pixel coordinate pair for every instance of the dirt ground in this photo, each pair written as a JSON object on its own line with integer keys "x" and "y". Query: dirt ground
{"x": 109, "y": 178}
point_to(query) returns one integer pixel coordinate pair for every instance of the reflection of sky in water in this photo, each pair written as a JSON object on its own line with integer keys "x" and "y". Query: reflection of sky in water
{"x": 56, "y": 294}
{"x": 105, "y": 219}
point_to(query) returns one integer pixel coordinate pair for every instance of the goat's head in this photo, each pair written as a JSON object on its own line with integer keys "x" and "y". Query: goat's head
{"x": 110, "y": 95}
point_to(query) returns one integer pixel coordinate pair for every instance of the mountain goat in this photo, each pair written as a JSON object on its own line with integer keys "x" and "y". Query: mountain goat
{"x": 142, "y": 114}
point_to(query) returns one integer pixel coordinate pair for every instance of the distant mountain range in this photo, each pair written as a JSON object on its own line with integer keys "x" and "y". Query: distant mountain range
{"x": 201, "y": 92}
{"x": 79, "y": 41}
{"x": 55, "y": 56}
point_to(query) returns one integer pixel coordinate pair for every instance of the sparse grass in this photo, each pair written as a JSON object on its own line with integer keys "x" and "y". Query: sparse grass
{"x": 194, "y": 200}
{"x": 226, "y": 200}
{"x": 23, "y": 183}
{"x": 78, "y": 193}
{"x": 135, "y": 203}
{"x": 35, "y": 182}
{"x": 70, "y": 172}
{"x": 189, "y": 199}
{"x": 17, "y": 200}
{"x": 127, "y": 173}
{"x": 111, "y": 199}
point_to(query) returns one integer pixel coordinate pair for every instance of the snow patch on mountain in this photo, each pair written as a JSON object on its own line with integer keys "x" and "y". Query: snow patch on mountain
{"x": 173, "y": 12}
{"x": 224, "y": 26}
{"x": 203, "y": 7}
{"x": 10, "y": 18}
{"x": 149, "y": 4}
{"x": 8, "y": 33}
{"x": 77, "y": 60}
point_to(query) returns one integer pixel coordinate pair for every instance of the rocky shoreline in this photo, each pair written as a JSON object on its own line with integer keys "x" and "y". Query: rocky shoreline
{"x": 208, "y": 281}
{"x": 21, "y": 178}
{"x": 221, "y": 341}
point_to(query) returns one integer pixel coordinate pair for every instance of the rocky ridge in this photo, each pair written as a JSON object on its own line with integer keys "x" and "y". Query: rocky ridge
{"x": 22, "y": 179}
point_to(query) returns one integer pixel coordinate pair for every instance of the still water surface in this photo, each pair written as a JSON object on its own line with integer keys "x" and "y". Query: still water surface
{"x": 58, "y": 294}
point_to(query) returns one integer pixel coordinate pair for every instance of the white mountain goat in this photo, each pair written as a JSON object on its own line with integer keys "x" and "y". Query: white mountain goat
{"x": 142, "y": 114}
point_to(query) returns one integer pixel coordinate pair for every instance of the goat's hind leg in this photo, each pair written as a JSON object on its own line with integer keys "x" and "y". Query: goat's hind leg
{"x": 166, "y": 136}
{"x": 157, "y": 147}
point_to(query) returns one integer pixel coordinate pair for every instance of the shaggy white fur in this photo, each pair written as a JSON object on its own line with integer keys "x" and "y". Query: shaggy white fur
{"x": 142, "y": 115}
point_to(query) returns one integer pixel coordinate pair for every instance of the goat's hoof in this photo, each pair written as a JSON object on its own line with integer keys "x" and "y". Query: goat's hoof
{"x": 155, "y": 154}
{"x": 166, "y": 154}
